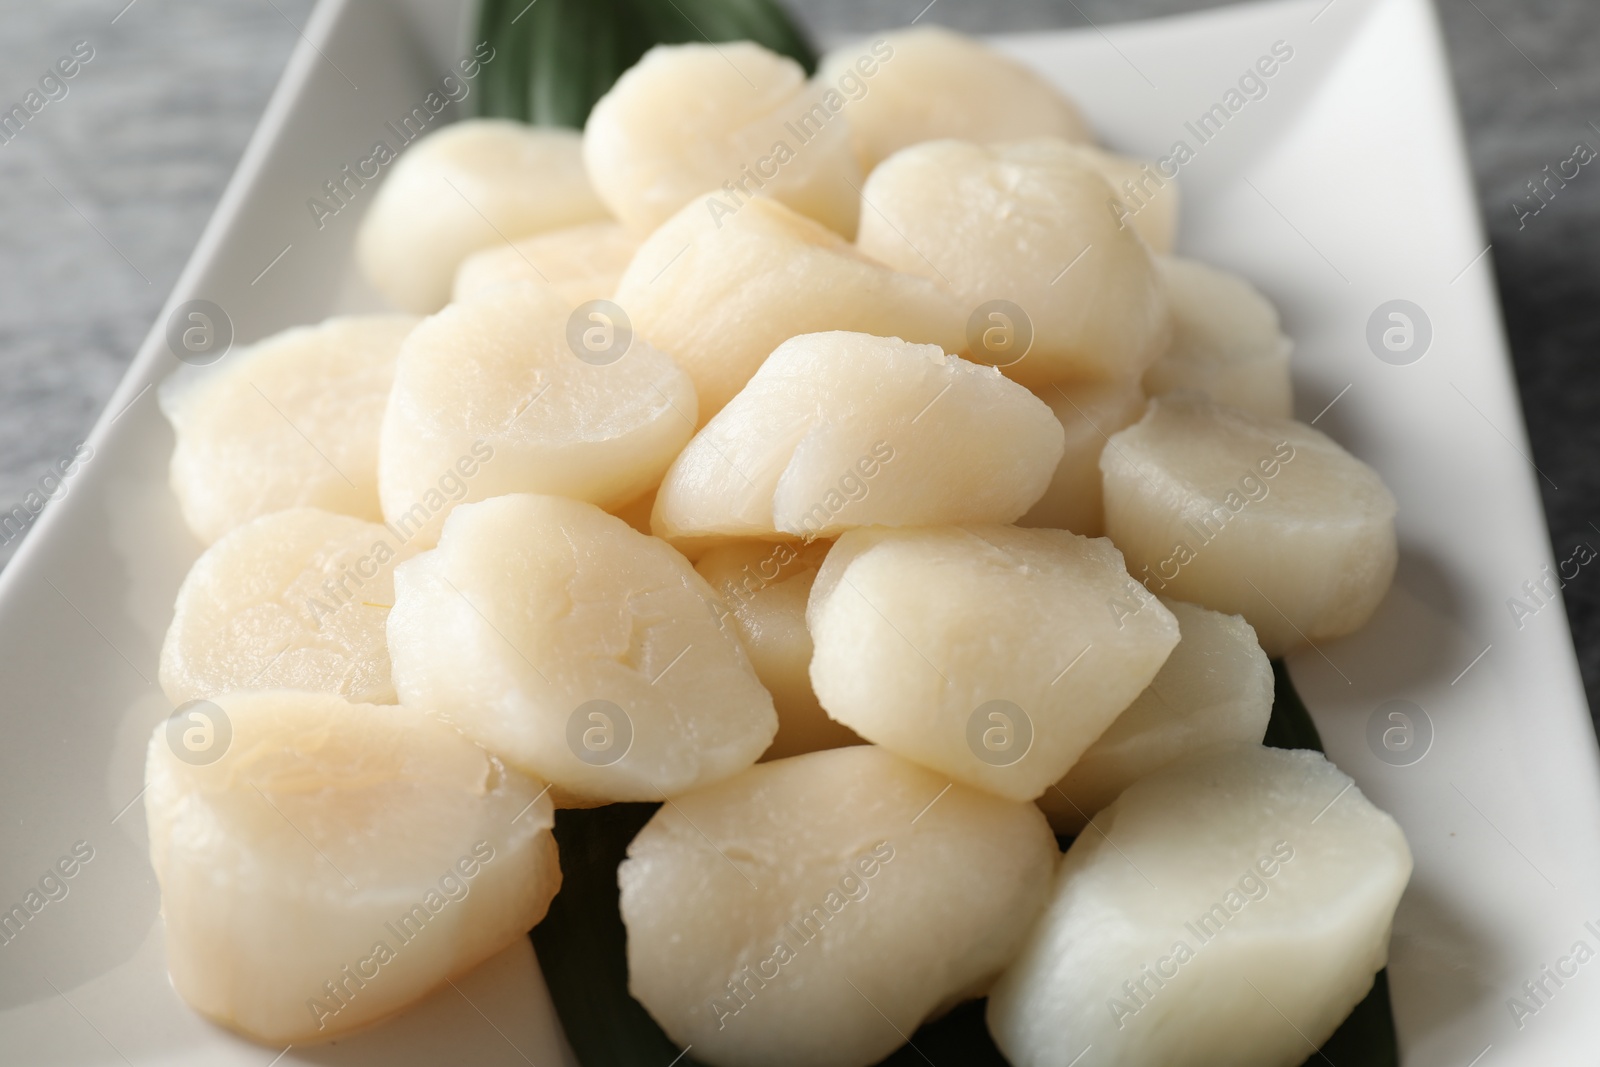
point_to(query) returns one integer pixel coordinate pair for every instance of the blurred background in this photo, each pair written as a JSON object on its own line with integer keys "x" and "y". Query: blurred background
{"x": 101, "y": 205}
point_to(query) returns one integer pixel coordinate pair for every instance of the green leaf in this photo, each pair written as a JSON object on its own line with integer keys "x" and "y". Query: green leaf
{"x": 555, "y": 58}
{"x": 1290, "y": 725}
{"x": 582, "y": 945}
{"x": 583, "y": 949}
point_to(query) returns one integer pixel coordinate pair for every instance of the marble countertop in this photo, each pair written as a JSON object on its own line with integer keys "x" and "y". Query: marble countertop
{"x": 106, "y": 192}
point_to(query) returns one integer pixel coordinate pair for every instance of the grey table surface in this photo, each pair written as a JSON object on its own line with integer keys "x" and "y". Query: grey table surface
{"x": 105, "y": 195}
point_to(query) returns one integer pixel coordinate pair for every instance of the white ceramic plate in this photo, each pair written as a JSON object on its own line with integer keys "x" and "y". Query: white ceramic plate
{"x": 1342, "y": 188}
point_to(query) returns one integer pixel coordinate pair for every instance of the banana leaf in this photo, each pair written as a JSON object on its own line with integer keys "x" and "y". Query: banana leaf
{"x": 555, "y": 58}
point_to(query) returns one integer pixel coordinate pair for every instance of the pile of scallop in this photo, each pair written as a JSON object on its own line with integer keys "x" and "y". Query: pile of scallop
{"x": 846, "y": 463}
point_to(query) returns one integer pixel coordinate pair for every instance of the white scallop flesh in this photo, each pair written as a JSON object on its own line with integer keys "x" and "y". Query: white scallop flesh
{"x": 1265, "y": 518}
{"x": 1026, "y": 223}
{"x": 720, "y": 293}
{"x": 582, "y": 263}
{"x": 1231, "y": 908}
{"x": 762, "y": 590}
{"x": 474, "y": 184}
{"x": 992, "y": 654}
{"x": 492, "y": 396}
{"x": 337, "y": 861}
{"x": 812, "y": 911}
{"x": 927, "y": 83}
{"x": 720, "y": 123}
{"x": 1226, "y": 342}
{"x": 577, "y": 649}
{"x": 290, "y": 421}
{"x": 839, "y": 430}
{"x": 297, "y": 599}
{"x": 1216, "y": 686}
{"x": 1089, "y": 413}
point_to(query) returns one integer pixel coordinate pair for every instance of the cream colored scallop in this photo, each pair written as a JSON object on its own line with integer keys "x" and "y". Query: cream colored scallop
{"x": 474, "y": 184}
{"x": 1226, "y": 342}
{"x": 582, "y": 263}
{"x": 719, "y": 122}
{"x": 1089, "y": 412}
{"x": 291, "y": 421}
{"x": 504, "y": 394}
{"x": 1231, "y": 908}
{"x": 762, "y": 590}
{"x": 335, "y": 862}
{"x": 1027, "y": 223}
{"x": 1265, "y": 518}
{"x": 838, "y": 430}
{"x": 812, "y": 911}
{"x": 577, "y": 649}
{"x": 927, "y": 83}
{"x": 293, "y": 600}
{"x": 721, "y": 292}
{"x": 1216, "y": 686}
{"x": 991, "y": 654}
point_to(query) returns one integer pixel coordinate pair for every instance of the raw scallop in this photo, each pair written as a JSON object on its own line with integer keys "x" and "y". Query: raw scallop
{"x": 327, "y": 864}
{"x": 811, "y": 912}
{"x": 1230, "y": 909}
{"x": 992, "y": 654}
{"x": 577, "y": 649}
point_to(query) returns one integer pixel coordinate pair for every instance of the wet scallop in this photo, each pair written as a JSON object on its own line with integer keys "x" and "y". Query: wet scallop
{"x": 577, "y": 649}
{"x": 812, "y": 911}
{"x": 290, "y": 421}
{"x": 1023, "y": 231}
{"x": 516, "y": 391}
{"x": 1230, "y": 908}
{"x": 839, "y": 430}
{"x": 927, "y": 83}
{"x": 719, "y": 123}
{"x": 1265, "y": 518}
{"x": 992, "y": 654}
{"x": 325, "y": 864}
